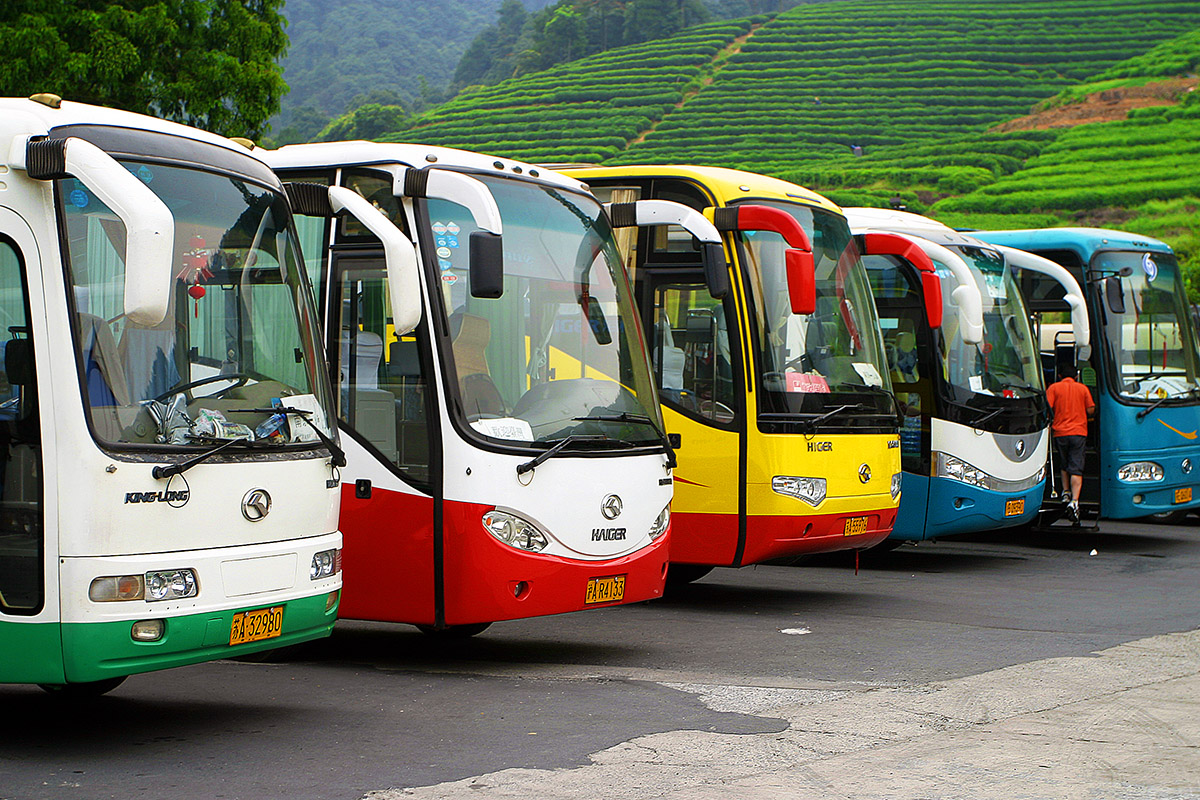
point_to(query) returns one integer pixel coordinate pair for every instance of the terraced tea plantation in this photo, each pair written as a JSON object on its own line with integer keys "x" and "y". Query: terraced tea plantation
{"x": 587, "y": 110}
{"x": 809, "y": 84}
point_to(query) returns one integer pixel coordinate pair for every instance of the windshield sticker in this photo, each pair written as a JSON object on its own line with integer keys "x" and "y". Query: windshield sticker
{"x": 995, "y": 286}
{"x": 145, "y": 173}
{"x": 443, "y": 252}
{"x": 512, "y": 428}
{"x": 439, "y": 228}
{"x": 1149, "y": 267}
{"x": 452, "y": 228}
{"x": 868, "y": 373}
{"x": 79, "y": 198}
{"x": 449, "y": 278}
{"x": 807, "y": 383}
{"x": 444, "y": 264}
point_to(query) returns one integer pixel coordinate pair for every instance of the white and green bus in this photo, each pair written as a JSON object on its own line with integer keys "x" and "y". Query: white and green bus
{"x": 168, "y": 462}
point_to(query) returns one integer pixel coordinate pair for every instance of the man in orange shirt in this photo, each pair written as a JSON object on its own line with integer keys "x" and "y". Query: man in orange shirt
{"x": 1073, "y": 406}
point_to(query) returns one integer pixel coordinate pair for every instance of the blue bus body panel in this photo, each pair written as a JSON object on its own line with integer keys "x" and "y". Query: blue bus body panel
{"x": 1084, "y": 242}
{"x": 1167, "y": 436}
{"x": 910, "y": 518}
{"x": 952, "y": 507}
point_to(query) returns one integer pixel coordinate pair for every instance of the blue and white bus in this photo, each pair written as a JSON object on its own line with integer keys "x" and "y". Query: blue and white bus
{"x": 1144, "y": 372}
{"x": 975, "y": 436}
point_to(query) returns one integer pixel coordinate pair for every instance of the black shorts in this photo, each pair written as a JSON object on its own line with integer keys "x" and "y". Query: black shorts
{"x": 1070, "y": 453}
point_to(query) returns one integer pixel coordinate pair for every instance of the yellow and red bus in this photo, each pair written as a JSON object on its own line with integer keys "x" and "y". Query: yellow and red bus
{"x": 775, "y": 393}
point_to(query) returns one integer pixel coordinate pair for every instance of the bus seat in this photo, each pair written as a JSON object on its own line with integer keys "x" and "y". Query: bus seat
{"x": 106, "y": 384}
{"x": 479, "y": 394}
{"x": 374, "y": 413}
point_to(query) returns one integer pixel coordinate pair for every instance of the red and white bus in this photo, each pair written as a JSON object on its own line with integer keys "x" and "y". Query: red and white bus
{"x": 507, "y": 457}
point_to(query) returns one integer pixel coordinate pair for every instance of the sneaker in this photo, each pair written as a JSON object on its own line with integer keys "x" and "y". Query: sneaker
{"x": 1073, "y": 511}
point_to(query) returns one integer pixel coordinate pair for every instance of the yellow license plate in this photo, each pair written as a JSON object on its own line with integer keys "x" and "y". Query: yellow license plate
{"x": 1013, "y": 508}
{"x": 855, "y": 526}
{"x": 254, "y": 626}
{"x": 605, "y": 590}
{"x": 1183, "y": 495}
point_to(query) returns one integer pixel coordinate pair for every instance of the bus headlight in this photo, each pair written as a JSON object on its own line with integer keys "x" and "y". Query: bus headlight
{"x": 325, "y": 564}
{"x": 660, "y": 525}
{"x": 810, "y": 490}
{"x": 1140, "y": 471}
{"x": 172, "y": 584}
{"x": 897, "y": 478}
{"x": 114, "y": 588}
{"x": 514, "y": 531}
{"x": 948, "y": 466}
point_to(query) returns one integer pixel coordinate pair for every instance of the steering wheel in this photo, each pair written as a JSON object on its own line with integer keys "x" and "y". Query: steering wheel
{"x": 716, "y": 410}
{"x": 239, "y": 379}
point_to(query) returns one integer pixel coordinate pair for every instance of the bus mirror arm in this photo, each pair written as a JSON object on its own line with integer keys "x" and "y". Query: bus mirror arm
{"x": 486, "y": 249}
{"x": 799, "y": 261}
{"x": 1072, "y": 291}
{"x": 649, "y": 213}
{"x": 970, "y": 314}
{"x": 149, "y": 224}
{"x": 404, "y": 281}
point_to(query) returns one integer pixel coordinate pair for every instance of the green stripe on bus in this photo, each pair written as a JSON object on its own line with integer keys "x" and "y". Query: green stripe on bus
{"x": 99, "y": 650}
{"x": 30, "y": 652}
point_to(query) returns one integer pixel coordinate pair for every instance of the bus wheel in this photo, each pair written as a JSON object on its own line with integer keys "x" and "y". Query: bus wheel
{"x": 82, "y": 691}
{"x": 683, "y": 574}
{"x": 454, "y": 631}
{"x": 1170, "y": 517}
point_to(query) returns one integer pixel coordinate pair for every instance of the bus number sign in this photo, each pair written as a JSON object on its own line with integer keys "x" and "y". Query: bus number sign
{"x": 605, "y": 590}
{"x": 254, "y": 626}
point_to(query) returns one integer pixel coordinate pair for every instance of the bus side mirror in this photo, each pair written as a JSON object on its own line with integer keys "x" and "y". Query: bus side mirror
{"x": 487, "y": 265}
{"x": 801, "y": 280}
{"x": 716, "y": 271}
{"x": 1114, "y": 294}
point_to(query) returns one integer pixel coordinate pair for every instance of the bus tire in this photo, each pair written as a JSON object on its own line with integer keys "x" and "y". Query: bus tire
{"x": 81, "y": 691}
{"x": 1170, "y": 517}
{"x": 454, "y": 631}
{"x": 683, "y": 574}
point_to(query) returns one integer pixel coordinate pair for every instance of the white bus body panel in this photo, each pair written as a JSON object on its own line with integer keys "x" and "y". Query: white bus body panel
{"x": 987, "y": 451}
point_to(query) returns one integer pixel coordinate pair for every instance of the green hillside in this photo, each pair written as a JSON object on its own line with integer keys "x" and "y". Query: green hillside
{"x": 586, "y": 110}
{"x": 816, "y": 80}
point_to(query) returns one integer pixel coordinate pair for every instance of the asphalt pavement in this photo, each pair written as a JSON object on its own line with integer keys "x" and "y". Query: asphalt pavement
{"x": 1003, "y": 666}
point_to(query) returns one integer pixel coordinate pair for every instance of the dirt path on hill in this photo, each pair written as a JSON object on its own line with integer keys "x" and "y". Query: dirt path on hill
{"x": 1106, "y": 106}
{"x": 728, "y": 51}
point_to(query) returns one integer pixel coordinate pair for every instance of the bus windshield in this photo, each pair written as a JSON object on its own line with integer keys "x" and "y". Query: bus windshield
{"x": 809, "y": 362}
{"x": 1006, "y": 363}
{"x": 240, "y": 332}
{"x": 1151, "y": 344}
{"x": 560, "y": 352}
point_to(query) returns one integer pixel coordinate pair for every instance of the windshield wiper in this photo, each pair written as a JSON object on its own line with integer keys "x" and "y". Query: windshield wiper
{"x": 979, "y": 422}
{"x": 169, "y": 470}
{"x": 558, "y": 446}
{"x": 899, "y": 412}
{"x": 637, "y": 419}
{"x": 811, "y": 425}
{"x": 1142, "y": 414}
{"x": 338, "y": 454}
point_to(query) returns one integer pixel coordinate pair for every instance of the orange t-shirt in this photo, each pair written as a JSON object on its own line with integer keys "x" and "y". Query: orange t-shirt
{"x": 1070, "y": 401}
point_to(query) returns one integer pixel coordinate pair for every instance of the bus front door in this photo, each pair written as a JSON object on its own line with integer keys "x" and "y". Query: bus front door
{"x": 384, "y": 408}
{"x": 30, "y": 638}
{"x": 693, "y": 366}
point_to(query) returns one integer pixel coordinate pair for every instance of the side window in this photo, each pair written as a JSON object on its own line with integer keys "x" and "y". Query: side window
{"x": 381, "y": 384}
{"x": 21, "y": 590}
{"x": 692, "y": 358}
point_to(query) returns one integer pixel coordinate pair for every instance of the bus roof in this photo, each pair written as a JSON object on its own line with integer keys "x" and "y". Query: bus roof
{"x": 417, "y": 156}
{"x": 69, "y": 113}
{"x": 727, "y": 185}
{"x": 1085, "y": 242}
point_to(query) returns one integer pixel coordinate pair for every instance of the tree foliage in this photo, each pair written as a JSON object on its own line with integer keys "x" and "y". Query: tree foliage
{"x": 207, "y": 63}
